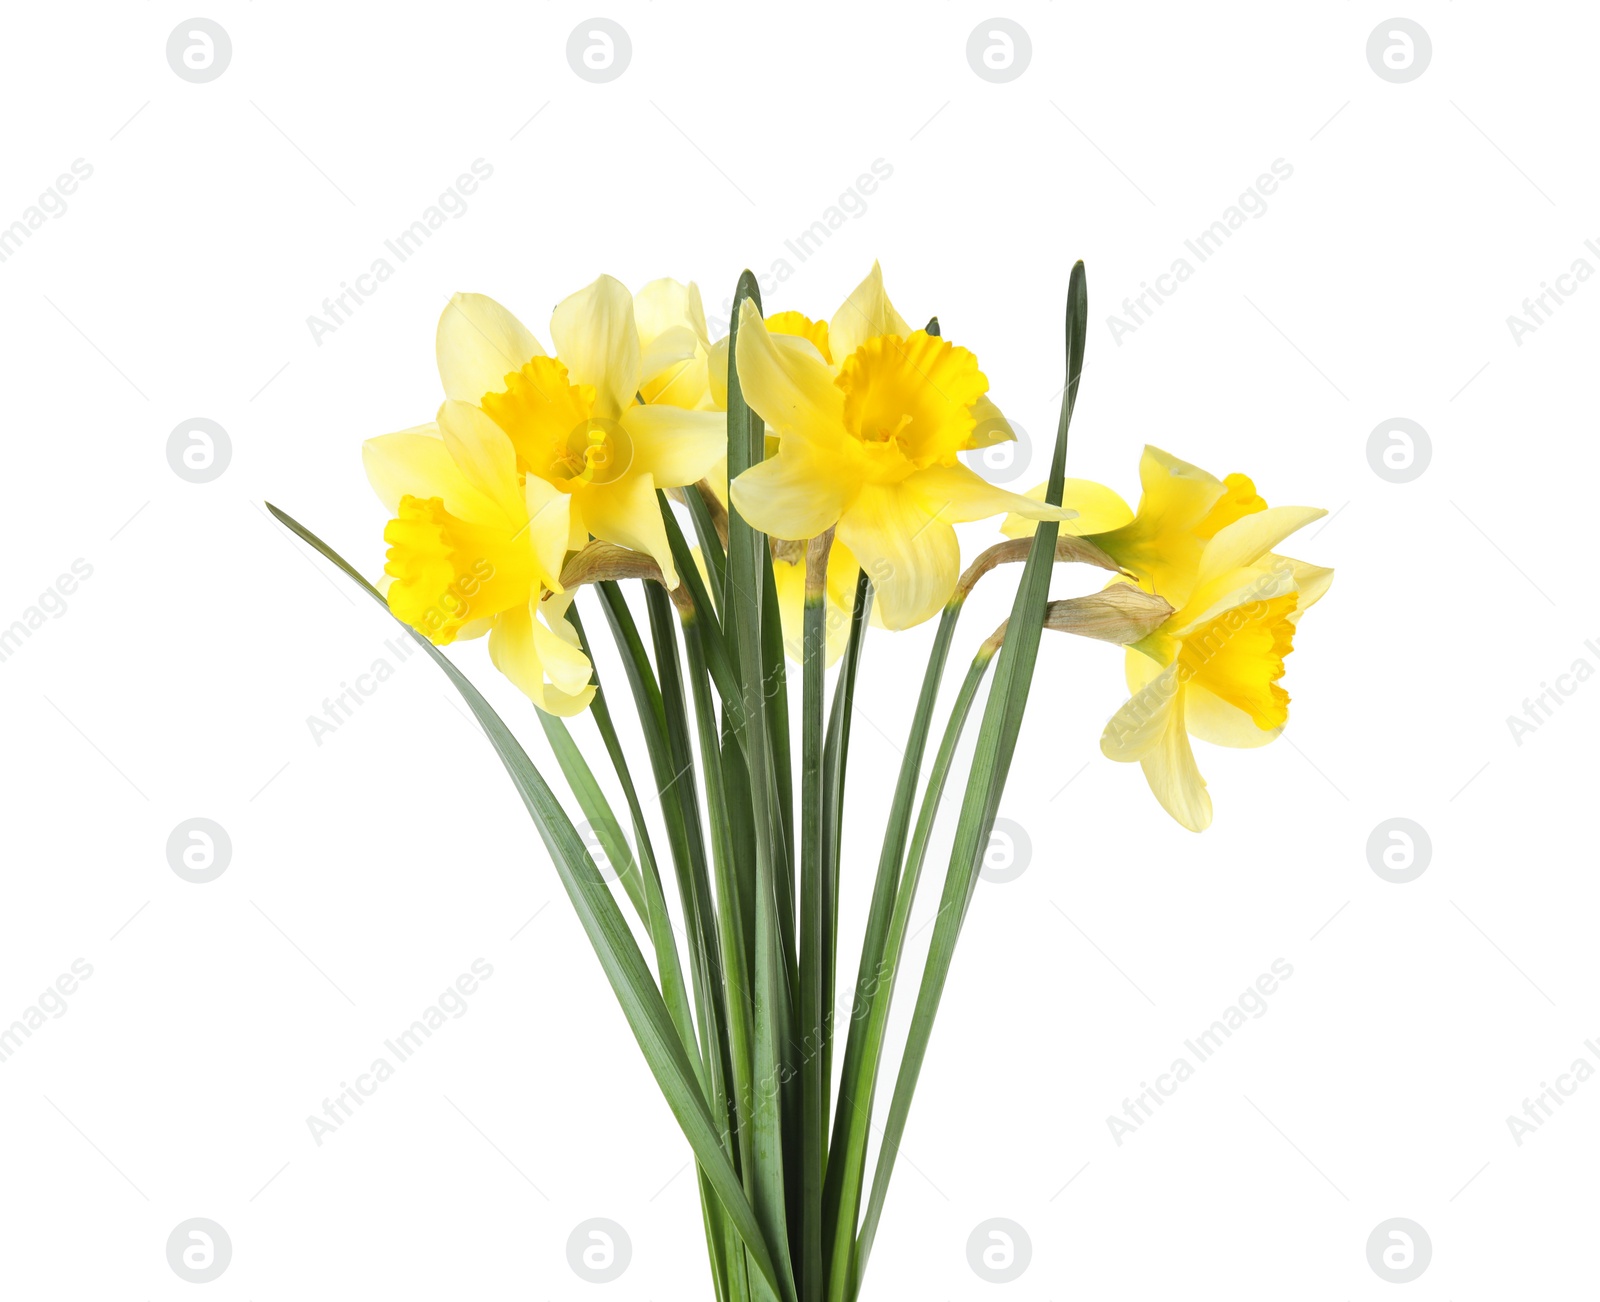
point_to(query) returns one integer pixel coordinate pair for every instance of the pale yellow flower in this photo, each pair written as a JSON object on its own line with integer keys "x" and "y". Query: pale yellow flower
{"x": 575, "y": 419}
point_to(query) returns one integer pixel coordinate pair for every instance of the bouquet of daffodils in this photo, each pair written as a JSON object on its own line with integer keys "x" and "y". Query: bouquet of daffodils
{"x": 816, "y": 466}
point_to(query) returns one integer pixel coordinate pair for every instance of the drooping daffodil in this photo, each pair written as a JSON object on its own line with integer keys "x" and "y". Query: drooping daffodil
{"x": 870, "y": 419}
{"x": 1213, "y": 669}
{"x": 1181, "y": 506}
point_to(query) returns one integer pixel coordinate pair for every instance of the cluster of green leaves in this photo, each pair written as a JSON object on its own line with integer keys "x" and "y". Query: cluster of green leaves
{"x": 744, "y": 1049}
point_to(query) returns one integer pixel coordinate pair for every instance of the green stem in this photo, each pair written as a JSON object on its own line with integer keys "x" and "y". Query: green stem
{"x": 814, "y": 929}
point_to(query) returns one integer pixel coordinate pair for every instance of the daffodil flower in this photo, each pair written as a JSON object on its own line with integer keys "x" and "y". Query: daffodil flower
{"x": 1213, "y": 668}
{"x": 576, "y": 420}
{"x": 475, "y": 548}
{"x": 1180, "y": 509}
{"x": 868, "y": 437}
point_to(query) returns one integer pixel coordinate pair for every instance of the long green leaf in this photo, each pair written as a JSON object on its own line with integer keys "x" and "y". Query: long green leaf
{"x": 997, "y": 738}
{"x": 748, "y": 564}
{"x": 814, "y": 929}
{"x": 614, "y": 946}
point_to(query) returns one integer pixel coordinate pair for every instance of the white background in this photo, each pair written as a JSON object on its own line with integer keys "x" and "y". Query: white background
{"x": 369, "y": 871}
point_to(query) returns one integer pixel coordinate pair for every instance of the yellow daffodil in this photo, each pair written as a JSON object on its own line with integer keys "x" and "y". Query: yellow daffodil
{"x": 869, "y": 433}
{"x": 474, "y": 549}
{"x": 1212, "y": 669}
{"x": 576, "y": 420}
{"x": 1181, "y": 507}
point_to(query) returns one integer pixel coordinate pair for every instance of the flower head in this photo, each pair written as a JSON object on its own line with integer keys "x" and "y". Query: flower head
{"x": 870, "y": 417}
{"x": 1213, "y": 669}
{"x": 577, "y": 420}
{"x": 474, "y": 548}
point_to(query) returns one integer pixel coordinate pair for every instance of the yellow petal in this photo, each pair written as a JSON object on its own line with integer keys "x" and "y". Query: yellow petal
{"x": 1239, "y": 499}
{"x": 956, "y": 494}
{"x": 671, "y": 322}
{"x": 1173, "y": 775}
{"x": 796, "y": 494}
{"x": 992, "y": 427}
{"x": 484, "y": 454}
{"x": 595, "y": 334}
{"x": 1311, "y": 582}
{"x": 677, "y": 447}
{"x": 1099, "y": 510}
{"x": 800, "y": 326}
{"x": 549, "y": 528}
{"x": 1212, "y": 719}
{"x": 564, "y": 663}
{"x": 717, "y": 373}
{"x": 865, "y": 315}
{"x": 1248, "y": 539}
{"x": 478, "y": 344}
{"x": 628, "y": 513}
{"x": 911, "y": 558}
{"x": 787, "y": 387}
{"x": 1138, "y": 726}
{"x": 515, "y": 653}
{"x": 416, "y": 463}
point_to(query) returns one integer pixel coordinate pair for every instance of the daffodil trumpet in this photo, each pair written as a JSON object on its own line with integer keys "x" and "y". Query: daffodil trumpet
{"x": 819, "y": 465}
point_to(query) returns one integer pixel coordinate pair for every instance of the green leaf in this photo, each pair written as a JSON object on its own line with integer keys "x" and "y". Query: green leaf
{"x": 749, "y": 571}
{"x": 613, "y": 944}
{"x": 814, "y": 928}
{"x": 997, "y": 738}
